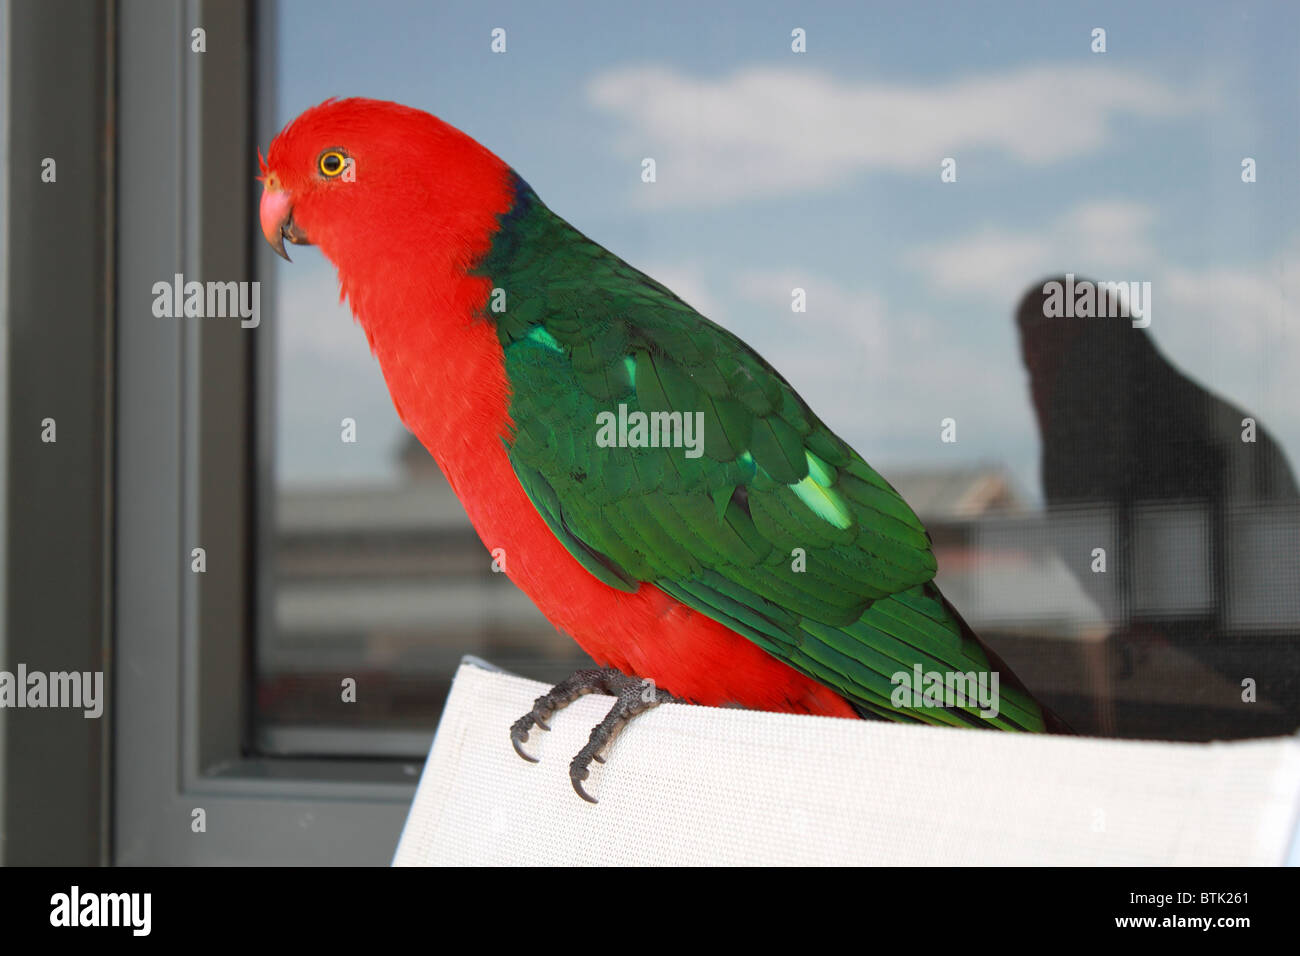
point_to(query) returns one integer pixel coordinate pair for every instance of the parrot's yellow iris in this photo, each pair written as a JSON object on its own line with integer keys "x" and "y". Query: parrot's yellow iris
{"x": 332, "y": 162}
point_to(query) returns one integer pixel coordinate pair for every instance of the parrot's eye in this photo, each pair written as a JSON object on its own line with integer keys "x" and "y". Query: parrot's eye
{"x": 332, "y": 162}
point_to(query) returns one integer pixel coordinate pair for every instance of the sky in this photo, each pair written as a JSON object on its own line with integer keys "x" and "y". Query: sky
{"x": 821, "y": 170}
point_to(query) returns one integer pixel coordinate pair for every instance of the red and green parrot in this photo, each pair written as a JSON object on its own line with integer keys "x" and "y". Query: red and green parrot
{"x": 767, "y": 566}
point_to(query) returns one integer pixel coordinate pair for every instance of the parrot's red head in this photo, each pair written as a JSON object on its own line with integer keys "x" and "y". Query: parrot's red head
{"x": 406, "y": 207}
{"x": 375, "y": 184}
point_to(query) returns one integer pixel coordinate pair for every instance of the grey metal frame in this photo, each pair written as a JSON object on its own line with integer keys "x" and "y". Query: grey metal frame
{"x": 185, "y": 478}
{"x": 55, "y": 774}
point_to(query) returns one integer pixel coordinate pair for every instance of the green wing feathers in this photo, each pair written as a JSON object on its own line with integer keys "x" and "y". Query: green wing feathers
{"x": 770, "y": 524}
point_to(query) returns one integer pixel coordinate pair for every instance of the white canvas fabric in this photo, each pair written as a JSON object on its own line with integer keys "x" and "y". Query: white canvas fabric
{"x": 698, "y": 785}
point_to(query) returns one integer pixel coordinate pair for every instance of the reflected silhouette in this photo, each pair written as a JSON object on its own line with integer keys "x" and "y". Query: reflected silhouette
{"x": 1198, "y": 529}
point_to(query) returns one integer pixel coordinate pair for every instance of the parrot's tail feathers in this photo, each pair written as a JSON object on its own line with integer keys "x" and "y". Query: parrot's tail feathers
{"x": 919, "y": 628}
{"x": 1052, "y": 723}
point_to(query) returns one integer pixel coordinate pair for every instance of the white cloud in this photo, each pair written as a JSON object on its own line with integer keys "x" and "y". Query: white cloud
{"x": 1235, "y": 326}
{"x": 856, "y": 318}
{"x": 1259, "y": 303}
{"x": 1241, "y": 310}
{"x": 1230, "y": 327}
{"x": 1105, "y": 238}
{"x": 766, "y": 131}
{"x": 880, "y": 373}
{"x": 689, "y": 283}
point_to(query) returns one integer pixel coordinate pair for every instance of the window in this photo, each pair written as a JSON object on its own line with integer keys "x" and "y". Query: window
{"x": 1097, "y": 516}
{"x": 878, "y": 204}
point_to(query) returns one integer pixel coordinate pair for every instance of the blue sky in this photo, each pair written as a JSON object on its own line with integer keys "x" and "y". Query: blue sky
{"x": 821, "y": 170}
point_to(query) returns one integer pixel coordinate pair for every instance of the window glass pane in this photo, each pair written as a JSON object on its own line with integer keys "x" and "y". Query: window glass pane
{"x": 1111, "y": 499}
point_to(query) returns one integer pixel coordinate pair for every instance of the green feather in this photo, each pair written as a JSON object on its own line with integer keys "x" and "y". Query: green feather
{"x": 824, "y": 502}
{"x": 771, "y": 525}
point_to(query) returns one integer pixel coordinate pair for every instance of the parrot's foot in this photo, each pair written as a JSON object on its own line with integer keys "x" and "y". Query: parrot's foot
{"x": 634, "y": 696}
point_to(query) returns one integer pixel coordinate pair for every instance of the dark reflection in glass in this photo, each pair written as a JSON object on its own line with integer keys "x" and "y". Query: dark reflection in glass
{"x": 1194, "y": 510}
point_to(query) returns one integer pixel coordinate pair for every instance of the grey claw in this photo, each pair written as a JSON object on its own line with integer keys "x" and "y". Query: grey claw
{"x": 576, "y": 780}
{"x": 519, "y": 748}
{"x": 541, "y": 723}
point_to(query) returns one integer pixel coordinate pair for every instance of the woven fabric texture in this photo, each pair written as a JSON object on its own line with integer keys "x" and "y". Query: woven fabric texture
{"x": 696, "y": 785}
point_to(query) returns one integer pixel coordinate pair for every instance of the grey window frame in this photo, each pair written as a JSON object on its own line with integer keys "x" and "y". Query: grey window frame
{"x": 54, "y": 763}
{"x": 189, "y": 392}
{"x": 155, "y": 455}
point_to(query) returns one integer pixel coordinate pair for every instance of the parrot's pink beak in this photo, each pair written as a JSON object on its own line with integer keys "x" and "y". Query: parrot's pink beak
{"x": 276, "y": 213}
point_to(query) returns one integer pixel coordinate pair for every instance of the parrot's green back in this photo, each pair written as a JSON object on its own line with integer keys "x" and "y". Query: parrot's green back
{"x": 778, "y": 529}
